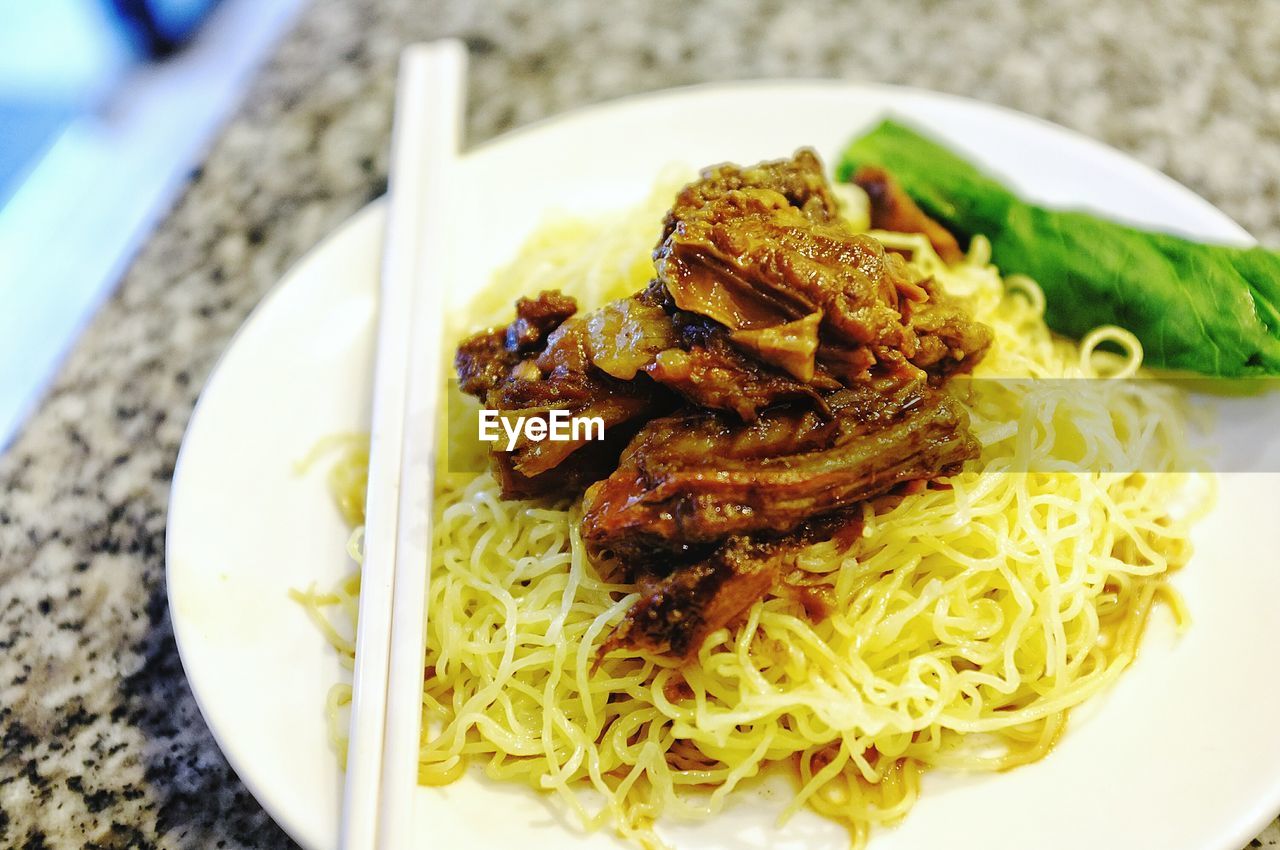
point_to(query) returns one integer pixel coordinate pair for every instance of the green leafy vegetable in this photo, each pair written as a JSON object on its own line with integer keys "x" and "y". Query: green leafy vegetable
{"x": 1206, "y": 308}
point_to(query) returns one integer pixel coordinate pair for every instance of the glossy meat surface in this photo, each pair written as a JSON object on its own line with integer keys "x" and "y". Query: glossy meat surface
{"x": 691, "y": 479}
{"x": 677, "y": 612}
{"x": 540, "y": 362}
{"x": 709, "y": 371}
{"x": 779, "y": 370}
{"x": 795, "y": 286}
{"x": 485, "y": 360}
{"x": 800, "y": 180}
{"x": 893, "y": 209}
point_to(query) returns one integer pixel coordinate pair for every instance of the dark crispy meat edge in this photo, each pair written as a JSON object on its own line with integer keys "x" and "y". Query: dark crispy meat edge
{"x": 639, "y": 515}
{"x": 677, "y": 612}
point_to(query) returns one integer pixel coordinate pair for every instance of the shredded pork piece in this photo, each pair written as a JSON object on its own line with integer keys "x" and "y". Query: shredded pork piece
{"x": 695, "y": 478}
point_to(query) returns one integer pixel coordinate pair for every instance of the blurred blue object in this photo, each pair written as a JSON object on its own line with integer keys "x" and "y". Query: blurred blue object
{"x": 26, "y": 131}
{"x": 57, "y": 59}
{"x": 61, "y": 57}
{"x": 105, "y": 106}
{"x": 159, "y": 27}
{"x": 64, "y": 51}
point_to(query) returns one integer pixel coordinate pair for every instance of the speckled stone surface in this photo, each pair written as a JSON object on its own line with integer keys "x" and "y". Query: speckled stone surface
{"x": 102, "y": 743}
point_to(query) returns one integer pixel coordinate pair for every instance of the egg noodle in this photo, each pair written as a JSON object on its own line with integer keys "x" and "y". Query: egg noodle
{"x": 964, "y": 623}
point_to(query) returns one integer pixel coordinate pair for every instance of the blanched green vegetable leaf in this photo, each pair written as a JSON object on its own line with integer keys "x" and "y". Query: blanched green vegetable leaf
{"x": 1213, "y": 309}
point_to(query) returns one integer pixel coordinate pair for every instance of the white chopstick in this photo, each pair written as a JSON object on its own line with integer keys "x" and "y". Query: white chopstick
{"x": 386, "y": 710}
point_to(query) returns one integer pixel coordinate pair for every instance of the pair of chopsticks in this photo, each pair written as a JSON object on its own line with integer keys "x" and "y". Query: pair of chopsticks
{"x": 386, "y": 711}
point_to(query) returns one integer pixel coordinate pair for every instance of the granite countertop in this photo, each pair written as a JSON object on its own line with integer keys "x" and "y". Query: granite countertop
{"x": 103, "y": 744}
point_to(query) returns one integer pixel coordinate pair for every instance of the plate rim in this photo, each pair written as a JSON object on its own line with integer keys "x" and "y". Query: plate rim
{"x": 1249, "y": 826}
{"x": 591, "y": 111}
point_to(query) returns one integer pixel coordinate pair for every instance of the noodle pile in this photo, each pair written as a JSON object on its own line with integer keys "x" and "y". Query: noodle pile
{"x": 966, "y": 621}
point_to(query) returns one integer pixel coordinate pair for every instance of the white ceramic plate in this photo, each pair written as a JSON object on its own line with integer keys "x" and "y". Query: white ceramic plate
{"x": 1183, "y": 754}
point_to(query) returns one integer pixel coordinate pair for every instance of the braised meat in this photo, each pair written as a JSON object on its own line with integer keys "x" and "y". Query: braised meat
{"x": 541, "y": 362}
{"x": 949, "y": 341}
{"x": 893, "y": 209}
{"x": 710, "y": 372}
{"x": 799, "y": 180}
{"x": 485, "y": 360}
{"x": 536, "y": 319}
{"x": 618, "y": 340}
{"x": 538, "y": 468}
{"x": 695, "y": 478}
{"x": 793, "y": 283}
{"x": 779, "y": 370}
{"x": 676, "y": 612}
